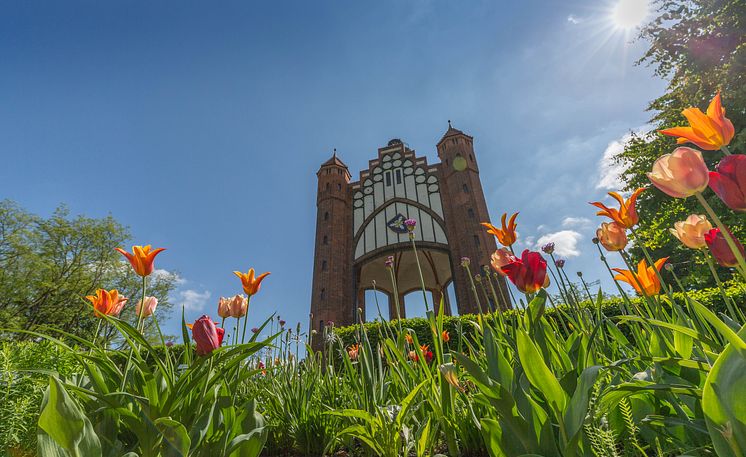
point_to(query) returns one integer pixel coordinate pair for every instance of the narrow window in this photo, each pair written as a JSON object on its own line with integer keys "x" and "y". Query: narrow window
{"x": 388, "y": 178}
{"x": 327, "y": 186}
{"x": 398, "y": 176}
{"x": 323, "y": 265}
{"x": 326, "y": 240}
{"x": 466, "y": 189}
{"x": 326, "y": 216}
{"x": 321, "y": 325}
{"x": 470, "y": 211}
{"x": 476, "y": 241}
{"x": 339, "y": 186}
{"x": 323, "y": 293}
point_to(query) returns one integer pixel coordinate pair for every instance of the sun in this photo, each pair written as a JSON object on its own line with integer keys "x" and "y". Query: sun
{"x": 628, "y": 14}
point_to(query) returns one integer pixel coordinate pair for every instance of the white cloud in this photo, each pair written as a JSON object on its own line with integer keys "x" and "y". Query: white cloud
{"x": 572, "y": 19}
{"x": 161, "y": 273}
{"x": 576, "y": 222}
{"x": 609, "y": 170}
{"x": 565, "y": 242}
{"x": 194, "y": 300}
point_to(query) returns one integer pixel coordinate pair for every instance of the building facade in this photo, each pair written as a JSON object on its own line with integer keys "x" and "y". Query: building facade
{"x": 359, "y": 224}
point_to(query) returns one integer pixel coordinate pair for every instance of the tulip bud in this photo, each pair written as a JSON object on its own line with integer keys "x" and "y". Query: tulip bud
{"x": 691, "y": 232}
{"x": 448, "y": 370}
{"x": 728, "y": 181}
{"x": 445, "y": 336}
{"x": 224, "y": 307}
{"x": 254, "y": 330}
{"x": 239, "y": 306}
{"x": 148, "y": 309}
{"x": 207, "y": 335}
{"x": 465, "y": 262}
{"x": 282, "y": 323}
{"x": 681, "y": 173}
{"x": 721, "y": 250}
{"x": 612, "y": 236}
{"x": 389, "y": 261}
{"x": 548, "y": 248}
{"x": 560, "y": 263}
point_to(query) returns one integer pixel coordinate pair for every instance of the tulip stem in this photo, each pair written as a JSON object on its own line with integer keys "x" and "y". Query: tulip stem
{"x": 246, "y": 318}
{"x": 473, "y": 288}
{"x": 98, "y": 329}
{"x": 725, "y": 150}
{"x": 419, "y": 270}
{"x": 726, "y": 234}
{"x": 728, "y": 304}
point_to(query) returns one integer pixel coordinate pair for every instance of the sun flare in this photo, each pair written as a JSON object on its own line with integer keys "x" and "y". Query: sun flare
{"x": 628, "y": 14}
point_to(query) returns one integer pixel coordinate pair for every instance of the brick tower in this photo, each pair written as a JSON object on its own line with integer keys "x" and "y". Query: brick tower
{"x": 360, "y": 224}
{"x": 332, "y": 298}
{"x": 464, "y": 207}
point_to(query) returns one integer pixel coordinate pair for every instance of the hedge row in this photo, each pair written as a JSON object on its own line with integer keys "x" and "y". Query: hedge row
{"x": 611, "y": 306}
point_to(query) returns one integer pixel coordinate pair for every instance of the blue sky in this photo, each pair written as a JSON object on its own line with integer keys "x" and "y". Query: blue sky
{"x": 213, "y": 117}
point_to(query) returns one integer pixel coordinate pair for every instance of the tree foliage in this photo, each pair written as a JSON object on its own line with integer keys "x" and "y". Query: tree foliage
{"x": 699, "y": 46}
{"x": 48, "y": 265}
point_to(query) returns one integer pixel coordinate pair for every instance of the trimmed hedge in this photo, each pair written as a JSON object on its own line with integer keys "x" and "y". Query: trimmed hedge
{"x": 611, "y": 306}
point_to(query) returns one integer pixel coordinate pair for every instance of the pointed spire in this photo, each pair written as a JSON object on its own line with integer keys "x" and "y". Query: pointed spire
{"x": 334, "y": 160}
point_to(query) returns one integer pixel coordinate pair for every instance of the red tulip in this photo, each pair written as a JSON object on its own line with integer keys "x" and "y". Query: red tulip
{"x": 729, "y": 181}
{"x": 207, "y": 335}
{"x": 529, "y": 273}
{"x": 720, "y": 249}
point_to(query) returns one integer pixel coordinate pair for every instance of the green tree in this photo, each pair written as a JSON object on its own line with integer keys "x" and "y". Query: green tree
{"x": 48, "y": 266}
{"x": 699, "y": 46}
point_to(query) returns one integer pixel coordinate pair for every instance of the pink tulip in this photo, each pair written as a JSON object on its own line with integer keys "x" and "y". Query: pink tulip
{"x": 207, "y": 335}
{"x": 691, "y": 232}
{"x": 148, "y": 309}
{"x": 238, "y": 306}
{"x": 224, "y": 307}
{"x": 680, "y": 174}
{"x": 729, "y": 181}
{"x": 501, "y": 258}
{"x": 720, "y": 249}
{"x": 612, "y": 236}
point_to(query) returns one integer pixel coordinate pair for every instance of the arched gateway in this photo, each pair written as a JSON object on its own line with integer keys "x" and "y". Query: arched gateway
{"x": 359, "y": 224}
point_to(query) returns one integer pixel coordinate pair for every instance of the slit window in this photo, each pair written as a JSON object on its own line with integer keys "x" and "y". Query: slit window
{"x": 326, "y": 240}
{"x": 398, "y": 176}
{"x": 387, "y": 176}
{"x": 323, "y": 294}
{"x": 323, "y": 265}
{"x": 470, "y": 212}
{"x": 326, "y": 216}
{"x": 466, "y": 189}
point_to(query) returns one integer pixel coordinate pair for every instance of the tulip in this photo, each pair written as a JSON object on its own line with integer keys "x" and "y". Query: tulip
{"x": 445, "y": 336}
{"x": 224, "y": 307}
{"x": 250, "y": 283}
{"x": 500, "y": 258}
{"x": 106, "y": 302}
{"x": 612, "y": 236}
{"x": 353, "y": 351}
{"x": 282, "y": 323}
{"x": 207, "y": 335}
{"x": 681, "y": 173}
{"x": 691, "y": 232}
{"x": 238, "y": 306}
{"x": 728, "y": 181}
{"x": 645, "y": 281}
{"x": 254, "y": 330}
{"x": 409, "y": 338}
{"x": 626, "y": 215}
{"x": 148, "y": 309}
{"x": 425, "y": 349}
{"x": 711, "y": 131}
{"x": 141, "y": 258}
{"x": 528, "y": 273}
{"x": 720, "y": 250}
{"x": 505, "y": 235}
{"x": 560, "y": 263}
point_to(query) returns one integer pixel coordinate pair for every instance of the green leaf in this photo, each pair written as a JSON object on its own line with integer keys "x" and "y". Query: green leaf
{"x": 578, "y": 408}
{"x": 176, "y": 440}
{"x": 63, "y": 421}
{"x": 539, "y": 374}
{"x": 723, "y": 402}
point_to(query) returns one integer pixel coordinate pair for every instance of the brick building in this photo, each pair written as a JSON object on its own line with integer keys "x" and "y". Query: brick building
{"x": 360, "y": 223}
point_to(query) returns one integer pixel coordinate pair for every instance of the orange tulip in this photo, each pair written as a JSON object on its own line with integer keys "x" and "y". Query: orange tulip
{"x": 409, "y": 338}
{"x": 107, "y": 303}
{"x": 353, "y": 351}
{"x": 710, "y": 131}
{"x": 645, "y": 281}
{"x": 626, "y": 215}
{"x": 250, "y": 283}
{"x": 445, "y": 336}
{"x": 612, "y": 236}
{"x": 505, "y": 235}
{"x": 142, "y": 258}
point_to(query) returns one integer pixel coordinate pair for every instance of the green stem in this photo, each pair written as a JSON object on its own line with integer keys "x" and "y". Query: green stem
{"x": 419, "y": 270}
{"x": 473, "y": 288}
{"x": 714, "y": 272}
{"x": 726, "y": 234}
{"x": 725, "y": 150}
{"x": 246, "y": 318}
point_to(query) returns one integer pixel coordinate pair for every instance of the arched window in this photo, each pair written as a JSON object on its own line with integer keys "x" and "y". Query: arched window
{"x": 339, "y": 186}
{"x": 466, "y": 189}
{"x": 323, "y": 265}
{"x": 327, "y": 186}
{"x": 323, "y": 293}
{"x": 470, "y": 212}
{"x": 326, "y": 216}
{"x": 326, "y": 240}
